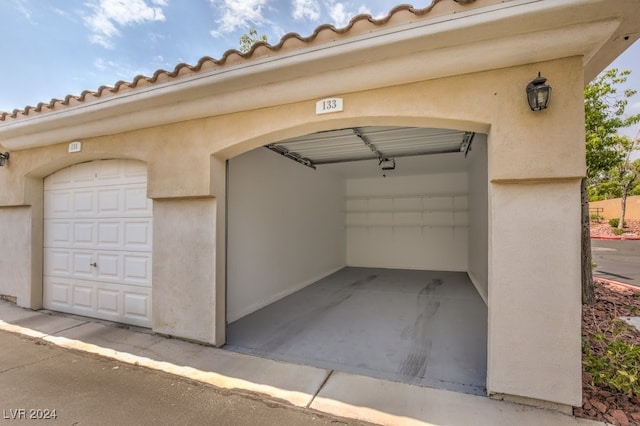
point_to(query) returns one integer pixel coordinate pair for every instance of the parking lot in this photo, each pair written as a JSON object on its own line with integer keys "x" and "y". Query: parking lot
{"x": 617, "y": 260}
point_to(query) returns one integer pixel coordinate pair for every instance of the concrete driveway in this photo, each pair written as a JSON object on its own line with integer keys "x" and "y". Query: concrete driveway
{"x": 617, "y": 260}
{"x": 41, "y": 381}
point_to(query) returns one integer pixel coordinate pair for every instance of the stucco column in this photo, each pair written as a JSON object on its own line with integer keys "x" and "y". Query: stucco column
{"x": 535, "y": 163}
{"x": 21, "y": 246}
{"x": 534, "y": 294}
{"x": 189, "y": 238}
{"x": 184, "y": 265}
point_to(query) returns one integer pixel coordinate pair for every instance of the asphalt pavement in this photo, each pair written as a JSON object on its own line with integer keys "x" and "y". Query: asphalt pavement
{"x": 44, "y": 384}
{"x": 617, "y": 260}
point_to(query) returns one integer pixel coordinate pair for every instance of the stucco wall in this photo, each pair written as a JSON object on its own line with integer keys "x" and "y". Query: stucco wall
{"x": 612, "y": 208}
{"x": 534, "y": 295}
{"x": 479, "y": 216}
{"x": 413, "y": 222}
{"x": 15, "y": 257}
{"x": 285, "y": 229}
{"x": 184, "y": 269}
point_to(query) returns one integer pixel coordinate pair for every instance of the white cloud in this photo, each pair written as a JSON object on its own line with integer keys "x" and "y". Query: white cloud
{"x": 238, "y": 14}
{"x": 109, "y": 14}
{"x": 364, "y": 10}
{"x": 305, "y": 9}
{"x": 100, "y": 63}
{"x": 339, "y": 15}
{"x": 635, "y": 105}
{"x": 23, "y": 8}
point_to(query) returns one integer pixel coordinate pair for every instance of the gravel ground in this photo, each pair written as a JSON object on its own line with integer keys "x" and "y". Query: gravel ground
{"x": 599, "y": 402}
{"x": 602, "y": 229}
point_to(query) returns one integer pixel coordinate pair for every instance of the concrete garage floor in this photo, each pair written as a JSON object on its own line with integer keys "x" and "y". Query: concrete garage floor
{"x": 421, "y": 327}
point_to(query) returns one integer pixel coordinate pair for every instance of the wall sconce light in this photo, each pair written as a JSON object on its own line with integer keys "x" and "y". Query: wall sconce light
{"x": 3, "y": 158}
{"x": 538, "y": 93}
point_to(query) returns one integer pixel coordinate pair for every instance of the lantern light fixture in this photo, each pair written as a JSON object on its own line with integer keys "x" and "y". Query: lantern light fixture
{"x": 538, "y": 93}
{"x": 4, "y": 157}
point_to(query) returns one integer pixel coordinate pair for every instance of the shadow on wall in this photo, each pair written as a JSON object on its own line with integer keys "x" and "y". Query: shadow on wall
{"x": 611, "y": 208}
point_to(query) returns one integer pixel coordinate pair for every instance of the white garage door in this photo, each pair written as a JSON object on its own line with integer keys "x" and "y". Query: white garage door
{"x": 97, "y": 241}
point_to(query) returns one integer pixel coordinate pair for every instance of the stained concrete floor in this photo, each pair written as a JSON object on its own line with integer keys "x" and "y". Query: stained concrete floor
{"x": 421, "y": 327}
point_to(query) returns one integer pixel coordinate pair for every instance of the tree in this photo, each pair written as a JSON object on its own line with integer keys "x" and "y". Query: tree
{"x": 248, "y": 40}
{"x": 604, "y": 111}
{"x": 628, "y": 177}
{"x": 604, "y": 115}
{"x": 621, "y": 180}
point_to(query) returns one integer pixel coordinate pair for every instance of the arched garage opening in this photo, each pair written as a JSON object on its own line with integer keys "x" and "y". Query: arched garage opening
{"x": 98, "y": 241}
{"x": 363, "y": 250}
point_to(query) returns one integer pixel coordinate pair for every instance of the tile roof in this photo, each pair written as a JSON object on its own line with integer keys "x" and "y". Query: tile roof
{"x": 323, "y": 34}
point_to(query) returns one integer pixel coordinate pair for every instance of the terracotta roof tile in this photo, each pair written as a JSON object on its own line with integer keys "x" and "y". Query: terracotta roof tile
{"x": 323, "y": 34}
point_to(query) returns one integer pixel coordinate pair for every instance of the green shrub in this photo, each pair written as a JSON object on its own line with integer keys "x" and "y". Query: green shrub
{"x": 618, "y": 231}
{"x": 615, "y": 222}
{"x": 616, "y": 363}
{"x": 596, "y": 217}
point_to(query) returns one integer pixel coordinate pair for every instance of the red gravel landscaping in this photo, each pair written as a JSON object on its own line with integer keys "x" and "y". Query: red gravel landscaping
{"x": 600, "y": 402}
{"x": 602, "y": 229}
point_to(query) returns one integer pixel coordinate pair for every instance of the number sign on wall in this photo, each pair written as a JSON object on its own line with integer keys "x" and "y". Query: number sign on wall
{"x": 329, "y": 105}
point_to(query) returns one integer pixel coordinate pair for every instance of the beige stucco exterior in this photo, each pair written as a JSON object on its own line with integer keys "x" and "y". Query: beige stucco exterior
{"x": 610, "y": 209}
{"x": 535, "y": 163}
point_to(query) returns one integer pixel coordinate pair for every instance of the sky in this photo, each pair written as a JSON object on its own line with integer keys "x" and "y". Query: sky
{"x": 52, "y": 48}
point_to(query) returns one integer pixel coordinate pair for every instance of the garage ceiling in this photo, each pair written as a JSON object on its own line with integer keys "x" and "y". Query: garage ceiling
{"x": 371, "y": 143}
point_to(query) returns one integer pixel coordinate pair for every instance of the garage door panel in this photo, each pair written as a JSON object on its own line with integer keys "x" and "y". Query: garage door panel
{"x": 107, "y": 173}
{"x": 58, "y": 203}
{"x": 119, "y": 201}
{"x": 58, "y": 294}
{"x": 137, "y": 235}
{"x": 109, "y": 203}
{"x": 98, "y": 241}
{"x": 60, "y": 179}
{"x": 84, "y": 234}
{"x": 113, "y": 302}
{"x": 109, "y": 234}
{"x": 83, "y": 204}
{"x": 57, "y": 262}
{"x": 108, "y": 302}
{"x": 136, "y": 305}
{"x": 84, "y": 172}
{"x": 82, "y": 264}
{"x": 137, "y": 269}
{"x": 58, "y": 233}
{"x": 109, "y": 267}
{"x": 136, "y": 201}
{"x": 83, "y": 298}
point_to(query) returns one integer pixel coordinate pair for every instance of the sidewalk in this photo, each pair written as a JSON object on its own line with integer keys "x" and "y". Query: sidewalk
{"x": 333, "y": 392}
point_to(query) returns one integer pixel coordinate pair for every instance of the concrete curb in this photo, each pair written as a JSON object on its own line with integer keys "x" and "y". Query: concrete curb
{"x": 617, "y": 283}
{"x": 616, "y": 238}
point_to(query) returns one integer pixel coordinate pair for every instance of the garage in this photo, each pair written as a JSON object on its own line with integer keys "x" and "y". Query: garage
{"x": 98, "y": 241}
{"x": 363, "y": 250}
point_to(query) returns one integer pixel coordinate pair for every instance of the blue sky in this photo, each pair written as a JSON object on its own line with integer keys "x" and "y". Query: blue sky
{"x": 52, "y": 48}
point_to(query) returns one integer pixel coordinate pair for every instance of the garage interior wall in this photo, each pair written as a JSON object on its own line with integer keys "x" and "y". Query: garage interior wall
{"x": 285, "y": 229}
{"x": 479, "y": 216}
{"x": 409, "y": 222}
